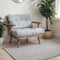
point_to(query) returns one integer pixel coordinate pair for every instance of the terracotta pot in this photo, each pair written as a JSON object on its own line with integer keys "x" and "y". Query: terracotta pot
{"x": 48, "y": 34}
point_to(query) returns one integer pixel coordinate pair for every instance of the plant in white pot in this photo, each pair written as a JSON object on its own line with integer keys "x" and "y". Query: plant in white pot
{"x": 2, "y": 25}
{"x": 47, "y": 10}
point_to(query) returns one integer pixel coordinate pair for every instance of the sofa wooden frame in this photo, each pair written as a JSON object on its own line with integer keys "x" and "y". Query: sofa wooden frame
{"x": 19, "y": 39}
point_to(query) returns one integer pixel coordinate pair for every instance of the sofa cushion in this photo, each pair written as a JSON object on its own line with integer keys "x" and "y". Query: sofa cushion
{"x": 27, "y": 32}
{"x": 21, "y": 21}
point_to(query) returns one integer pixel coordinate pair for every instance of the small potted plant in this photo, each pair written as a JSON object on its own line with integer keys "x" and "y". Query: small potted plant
{"x": 47, "y": 10}
{"x": 2, "y": 25}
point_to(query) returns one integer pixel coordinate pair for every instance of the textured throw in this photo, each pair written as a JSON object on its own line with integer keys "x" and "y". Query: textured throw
{"x": 41, "y": 51}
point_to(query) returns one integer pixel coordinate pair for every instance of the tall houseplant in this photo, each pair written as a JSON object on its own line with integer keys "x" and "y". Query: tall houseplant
{"x": 47, "y": 9}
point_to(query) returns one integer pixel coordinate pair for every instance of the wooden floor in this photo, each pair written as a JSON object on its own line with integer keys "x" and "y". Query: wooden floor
{"x": 5, "y": 56}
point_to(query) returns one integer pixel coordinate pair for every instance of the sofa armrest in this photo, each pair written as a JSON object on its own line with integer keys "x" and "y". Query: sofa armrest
{"x": 38, "y": 23}
{"x": 9, "y": 27}
{"x": 11, "y": 24}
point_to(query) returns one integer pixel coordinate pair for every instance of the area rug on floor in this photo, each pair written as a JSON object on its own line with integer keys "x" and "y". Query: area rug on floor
{"x": 41, "y": 51}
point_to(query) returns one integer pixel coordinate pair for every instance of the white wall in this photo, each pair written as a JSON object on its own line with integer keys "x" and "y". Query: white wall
{"x": 56, "y": 28}
{"x": 9, "y": 7}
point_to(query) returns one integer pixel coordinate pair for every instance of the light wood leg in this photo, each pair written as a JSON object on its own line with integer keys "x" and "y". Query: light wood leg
{"x": 10, "y": 38}
{"x": 38, "y": 40}
{"x": 26, "y": 40}
{"x": 18, "y": 45}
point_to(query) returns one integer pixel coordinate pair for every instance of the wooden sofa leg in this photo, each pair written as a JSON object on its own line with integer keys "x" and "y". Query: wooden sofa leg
{"x": 26, "y": 40}
{"x": 18, "y": 45}
{"x": 38, "y": 40}
{"x": 10, "y": 38}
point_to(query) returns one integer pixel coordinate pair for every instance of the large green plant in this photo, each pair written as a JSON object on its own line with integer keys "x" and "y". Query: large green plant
{"x": 47, "y": 9}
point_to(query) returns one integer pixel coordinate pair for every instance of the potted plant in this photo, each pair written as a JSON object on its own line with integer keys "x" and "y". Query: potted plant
{"x": 47, "y": 10}
{"x": 2, "y": 25}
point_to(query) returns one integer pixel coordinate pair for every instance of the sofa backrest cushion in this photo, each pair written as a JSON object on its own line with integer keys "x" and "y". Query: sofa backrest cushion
{"x": 21, "y": 21}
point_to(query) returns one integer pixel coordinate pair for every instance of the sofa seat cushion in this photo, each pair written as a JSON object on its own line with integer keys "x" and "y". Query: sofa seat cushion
{"x": 27, "y": 32}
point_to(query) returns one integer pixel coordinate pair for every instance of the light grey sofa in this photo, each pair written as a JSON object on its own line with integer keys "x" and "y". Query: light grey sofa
{"x": 20, "y": 27}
